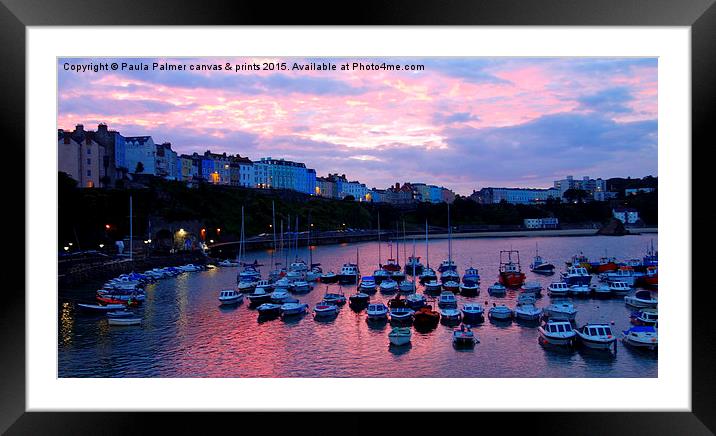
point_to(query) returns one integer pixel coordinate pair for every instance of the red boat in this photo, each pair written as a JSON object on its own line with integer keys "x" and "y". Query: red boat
{"x": 511, "y": 274}
{"x": 605, "y": 264}
{"x": 391, "y": 266}
{"x": 652, "y": 276}
{"x": 108, "y": 299}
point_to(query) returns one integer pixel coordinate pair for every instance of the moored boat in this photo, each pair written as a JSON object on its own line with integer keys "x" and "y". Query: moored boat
{"x": 597, "y": 336}
{"x": 534, "y": 288}
{"x": 124, "y": 321}
{"x": 406, "y": 286}
{"x": 464, "y": 337}
{"x": 646, "y": 316}
{"x": 279, "y": 295}
{"x": 451, "y": 286}
{"x": 497, "y": 290}
{"x": 450, "y": 315}
{"x": 576, "y": 275}
{"x": 349, "y": 274}
{"x": 377, "y": 311}
{"x": 367, "y": 285}
{"x": 415, "y": 301}
{"x": 646, "y": 337}
{"x": 619, "y": 289}
{"x": 329, "y": 277}
{"x": 293, "y": 308}
{"x": 359, "y": 299}
{"x": 325, "y": 310}
{"x": 527, "y": 312}
{"x": 447, "y": 299}
{"x": 469, "y": 289}
{"x": 510, "y": 272}
{"x": 641, "y": 299}
{"x": 560, "y": 310}
{"x": 269, "y": 309}
{"x": 259, "y": 296}
{"x": 426, "y": 317}
{"x": 230, "y": 296}
{"x": 433, "y": 286}
{"x": 399, "y": 336}
{"x": 401, "y": 314}
{"x": 580, "y": 291}
{"x": 471, "y": 276}
{"x": 473, "y": 313}
{"x": 499, "y": 312}
{"x": 539, "y": 265}
{"x": 558, "y": 289}
{"x": 388, "y": 286}
{"x": 557, "y": 332}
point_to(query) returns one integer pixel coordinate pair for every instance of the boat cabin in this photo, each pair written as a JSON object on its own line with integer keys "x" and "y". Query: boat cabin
{"x": 555, "y": 327}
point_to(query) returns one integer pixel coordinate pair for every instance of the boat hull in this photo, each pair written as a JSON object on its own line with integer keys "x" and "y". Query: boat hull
{"x": 512, "y": 280}
{"x": 546, "y": 339}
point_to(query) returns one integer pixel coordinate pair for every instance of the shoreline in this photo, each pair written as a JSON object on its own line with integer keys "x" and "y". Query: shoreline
{"x": 529, "y": 233}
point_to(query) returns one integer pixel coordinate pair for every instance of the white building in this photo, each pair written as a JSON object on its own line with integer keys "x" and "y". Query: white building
{"x": 541, "y": 223}
{"x": 596, "y": 187}
{"x": 626, "y": 215}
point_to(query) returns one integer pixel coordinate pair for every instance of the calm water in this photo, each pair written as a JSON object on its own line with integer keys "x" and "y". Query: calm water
{"x": 185, "y": 333}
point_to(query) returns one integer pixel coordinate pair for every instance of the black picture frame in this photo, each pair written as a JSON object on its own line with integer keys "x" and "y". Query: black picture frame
{"x": 16, "y": 15}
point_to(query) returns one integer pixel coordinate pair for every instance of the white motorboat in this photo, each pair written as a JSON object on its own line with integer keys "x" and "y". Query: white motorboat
{"x": 623, "y": 274}
{"x": 428, "y": 275}
{"x": 527, "y": 312}
{"x": 447, "y": 265}
{"x": 124, "y": 321}
{"x": 558, "y": 289}
{"x": 325, "y": 310}
{"x": 469, "y": 289}
{"x": 601, "y": 291}
{"x": 641, "y": 337}
{"x": 619, "y": 289}
{"x": 189, "y": 268}
{"x": 100, "y": 308}
{"x": 641, "y": 299}
{"x": 279, "y": 295}
{"x": 580, "y": 290}
{"x": 228, "y": 263}
{"x": 447, "y": 299}
{"x": 451, "y": 286}
{"x": 597, "y": 336}
{"x": 329, "y": 277}
{"x": 399, "y": 336}
{"x": 532, "y": 288}
{"x": 367, "y": 284}
{"x": 246, "y": 287}
{"x": 293, "y": 308}
{"x": 406, "y": 286}
{"x": 557, "y": 332}
{"x": 230, "y": 296}
{"x": 300, "y": 286}
{"x": 464, "y": 337}
{"x": 433, "y": 286}
{"x": 561, "y": 310}
{"x": 388, "y": 286}
{"x": 647, "y": 316}
{"x": 377, "y": 311}
{"x": 497, "y": 290}
{"x": 473, "y": 313}
{"x": 266, "y": 285}
{"x": 380, "y": 274}
{"x": 334, "y": 298}
{"x": 259, "y": 296}
{"x": 450, "y": 314}
{"x": 499, "y": 312}
{"x": 576, "y": 275}
{"x": 450, "y": 276}
{"x": 314, "y": 274}
{"x": 120, "y": 313}
{"x": 349, "y": 273}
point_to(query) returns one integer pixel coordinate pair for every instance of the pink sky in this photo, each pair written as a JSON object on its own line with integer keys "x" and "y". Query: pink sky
{"x": 464, "y": 123}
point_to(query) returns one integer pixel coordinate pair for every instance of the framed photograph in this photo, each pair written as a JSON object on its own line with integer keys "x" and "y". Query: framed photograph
{"x": 463, "y": 204}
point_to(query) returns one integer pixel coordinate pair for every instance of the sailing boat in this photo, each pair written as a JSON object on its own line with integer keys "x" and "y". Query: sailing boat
{"x": 350, "y": 274}
{"x": 408, "y": 285}
{"x": 315, "y": 271}
{"x": 380, "y": 274}
{"x": 396, "y": 272}
{"x": 428, "y": 273}
{"x": 250, "y": 272}
{"x": 413, "y": 265}
{"x": 449, "y": 278}
{"x": 277, "y": 272}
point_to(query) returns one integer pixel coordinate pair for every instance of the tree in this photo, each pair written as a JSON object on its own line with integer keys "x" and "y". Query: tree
{"x": 139, "y": 168}
{"x": 349, "y": 198}
{"x": 578, "y": 195}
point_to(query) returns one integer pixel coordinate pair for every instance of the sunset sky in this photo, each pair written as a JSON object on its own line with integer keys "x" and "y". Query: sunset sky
{"x": 464, "y": 123}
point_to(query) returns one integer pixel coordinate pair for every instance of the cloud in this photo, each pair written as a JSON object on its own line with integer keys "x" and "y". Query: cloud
{"x": 611, "y": 101}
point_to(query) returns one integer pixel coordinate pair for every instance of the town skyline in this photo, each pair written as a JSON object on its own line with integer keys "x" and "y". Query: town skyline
{"x": 462, "y": 123}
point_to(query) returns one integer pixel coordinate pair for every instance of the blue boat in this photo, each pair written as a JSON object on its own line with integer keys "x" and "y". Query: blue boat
{"x": 471, "y": 277}
{"x": 577, "y": 275}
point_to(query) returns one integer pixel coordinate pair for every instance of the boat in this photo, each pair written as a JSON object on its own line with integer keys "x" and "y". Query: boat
{"x": 325, "y": 310}
{"x": 426, "y": 317}
{"x": 406, "y": 286}
{"x": 558, "y": 289}
{"x": 413, "y": 267}
{"x": 100, "y": 307}
{"x": 249, "y": 273}
{"x": 651, "y": 278}
{"x": 580, "y": 290}
{"x": 450, "y": 315}
{"x": 526, "y": 299}
{"x": 450, "y": 276}
{"x": 279, "y": 295}
{"x": 579, "y": 260}
{"x": 539, "y": 266}
{"x": 527, "y": 311}
{"x": 471, "y": 277}
{"x": 124, "y": 313}
{"x": 447, "y": 265}
{"x": 557, "y": 332}
{"x": 601, "y": 291}
{"x": 123, "y": 321}
{"x": 534, "y": 288}
{"x": 469, "y": 289}
{"x": 359, "y": 299}
{"x": 652, "y": 257}
{"x": 398, "y": 276}
{"x": 511, "y": 274}
{"x": 624, "y": 274}
{"x": 646, "y": 316}
{"x": 473, "y": 313}
{"x": 641, "y": 337}
{"x": 269, "y": 309}
{"x": 266, "y": 285}
{"x": 230, "y": 296}
{"x": 301, "y": 286}
{"x": 433, "y": 286}
{"x": 447, "y": 299}
{"x": 597, "y": 336}
{"x": 619, "y": 289}
{"x": 293, "y": 308}
{"x": 246, "y": 286}
{"x": 497, "y": 290}
{"x": 399, "y": 336}
{"x": 428, "y": 275}
{"x": 334, "y": 298}
{"x": 463, "y": 337}
{"x": 560, "y": 310}
{"x": 228, "y": 263}
{"x": 388, "y": 286}
{"x": 349, "y": 274}
{"x": 401, "y": 314}
{"x": 367, "y": 285}
{"x": 259, "y": 296}
{"x": 415, "y": 301}
{"x": 576, "y": 275}
{"x": 380, "y": 274}
{"x": 115, "y": 300}
{"x": 499, "y": 312}
{"x": 329, "y": 277}
{"x": 314, "y": 274}
{"x": 451, "y": 286}
{"x": 377, "y": 311}
{"x": 605, "y": 264}
{"x": 641, "y": 299}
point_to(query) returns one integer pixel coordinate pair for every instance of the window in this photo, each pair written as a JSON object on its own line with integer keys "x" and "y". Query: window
{"x": 89, "y": 161}
{"x": 89, "y": 173}
{"x": 89, "y": 150}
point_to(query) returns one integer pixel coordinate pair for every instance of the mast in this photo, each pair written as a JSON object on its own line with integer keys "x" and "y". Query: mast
{"x": 131, "y": 235}
{"x": 308, "y": 244}
{"x": 427, "y": 249}
{"x": 281, "y": 236}
{"x": 241, "y": 238}
{"x": 295, "y": 245}
{"x": 449, "y": 238}
{"x": 413, "y": 260}
{"x": 379, "y": 256}
{"x": 397, "y": 245}
{"x": 288, "y": 236}
{"x": 273, "y": 227}
{"x": 404, "y": 256}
